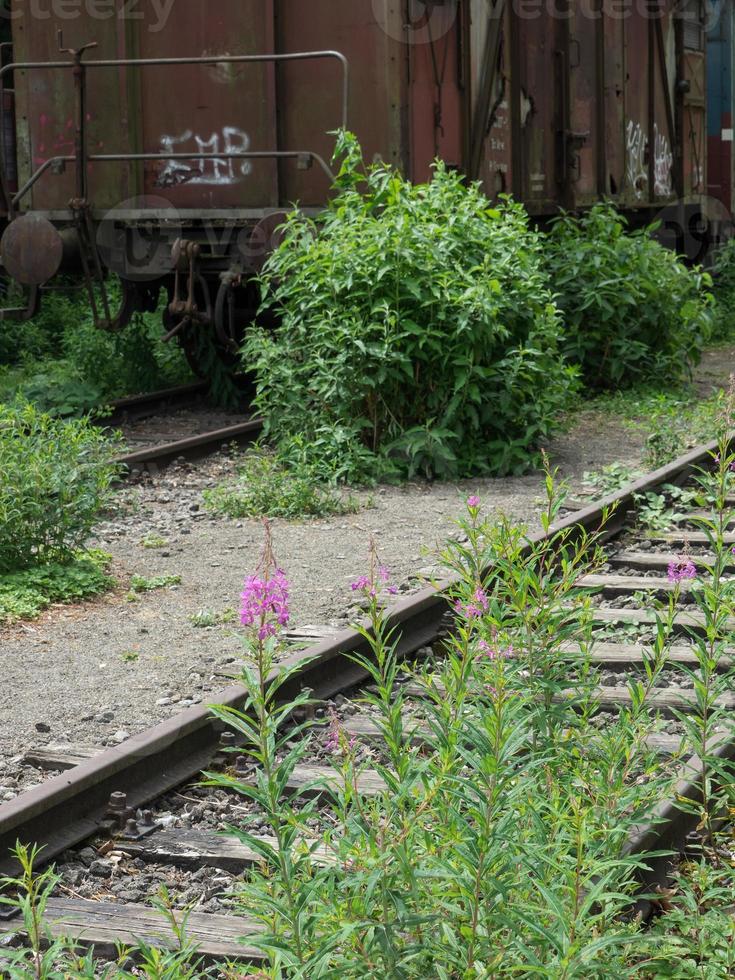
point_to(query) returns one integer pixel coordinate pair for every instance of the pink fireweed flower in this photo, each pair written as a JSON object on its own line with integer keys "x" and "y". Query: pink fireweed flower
{"x": 367, "y": 586}
{"x": 473, "y": 502}
{"x": 336, "y": 741}
{"x": 384, "y": 576}
{"x": 492, "y": 652}
{"x": 681, "y": 569}
{"x": 474, "y": 609}
{"x": 361, "y": 584}
{"x": 264, "y": 603}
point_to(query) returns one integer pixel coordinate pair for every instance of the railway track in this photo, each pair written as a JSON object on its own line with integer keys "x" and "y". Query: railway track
{"x": 177, "y": 423}
{"x": 136, "y": 800}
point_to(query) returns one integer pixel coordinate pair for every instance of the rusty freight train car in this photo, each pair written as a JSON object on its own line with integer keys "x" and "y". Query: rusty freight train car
{"x": 161, "y": 140}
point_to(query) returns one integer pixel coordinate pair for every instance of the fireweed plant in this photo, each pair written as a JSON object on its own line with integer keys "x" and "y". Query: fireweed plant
{"x": 698, "y": 932}
{"x": 497, "y": 845}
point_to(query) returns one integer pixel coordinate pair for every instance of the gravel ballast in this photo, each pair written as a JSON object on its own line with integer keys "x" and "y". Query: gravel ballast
{"x": 100, "y": 672}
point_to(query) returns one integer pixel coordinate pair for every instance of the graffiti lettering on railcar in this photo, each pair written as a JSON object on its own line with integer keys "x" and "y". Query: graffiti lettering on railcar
{"x": 663, "y": 161}
{"x": 219, "y": 170}
{"x": 636, "y": 152}
{"x": 636, "y": 145}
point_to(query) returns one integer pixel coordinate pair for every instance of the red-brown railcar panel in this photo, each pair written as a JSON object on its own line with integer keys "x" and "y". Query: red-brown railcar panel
{"x": 582, "y": 103}
{"x": 217, "y": 108}
{"x": 435, "y": 88}
{"x": 370, "y": 35}
{"x": 45, "y": 107}
{"x": 593, "y": 107}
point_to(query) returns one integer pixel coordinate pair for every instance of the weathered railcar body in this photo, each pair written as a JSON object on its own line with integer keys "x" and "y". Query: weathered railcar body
{"x": 601, "y": 101}
{"x": 720, "y": 53}
{"x": 560, "y": 102}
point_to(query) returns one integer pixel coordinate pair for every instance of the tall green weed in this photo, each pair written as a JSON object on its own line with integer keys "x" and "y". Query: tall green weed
{"x": 723, "y": 276}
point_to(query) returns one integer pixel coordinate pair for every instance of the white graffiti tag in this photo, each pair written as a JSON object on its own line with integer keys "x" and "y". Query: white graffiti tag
{"x": 663, "y": 161}
{"x": 636, "y": 166}
{"x": 636, "y": 145}
{"x": 216, "y": 170}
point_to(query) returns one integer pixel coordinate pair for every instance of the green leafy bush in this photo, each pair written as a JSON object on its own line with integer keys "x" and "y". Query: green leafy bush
{"x": 418, "y": 332}
{"x": 63, "y": 364}
{"x": 56, "y": 478}
{"x": 632, "y": 309}
{"x": 723, "y": 273}
{"x": 265, "y": 488}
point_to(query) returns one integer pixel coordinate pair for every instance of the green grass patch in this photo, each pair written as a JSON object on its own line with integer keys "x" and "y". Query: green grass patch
{"x": 205, "y": 618}
{"x": 153, "y": 541}
{"x": 676, "y": 420}
{"x": 138, "y": 583}
{"x": 25, "y": 594}
{"x": 266, "y": 488}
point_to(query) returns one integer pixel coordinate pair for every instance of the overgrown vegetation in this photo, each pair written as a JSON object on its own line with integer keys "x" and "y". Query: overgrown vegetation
{"x": 139, "y": 583}
{"x": 267, "y": 488}
{"x": 674, "y": 418}
{"x": 498, "y": 846}
{"x": 64, "y": 365}
{"x": 25, "y": 594}
{"x": 56, "y": 479}
{"x": 723, "y": 274}
{"x": 631, "y": 309}
{"x": 418, "y": 333}
{"x": 206, "y": 618}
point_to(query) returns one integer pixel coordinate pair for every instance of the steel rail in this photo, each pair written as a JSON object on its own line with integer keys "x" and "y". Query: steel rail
{"x": 67, "y": 809}
{"x": 192, "y": 447}
{"x": 139, "y": 406}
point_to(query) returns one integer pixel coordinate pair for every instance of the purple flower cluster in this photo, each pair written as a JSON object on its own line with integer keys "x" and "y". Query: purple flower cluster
{"x": 681, "y": 569}
{"x": 474, "y": 609}
{"x": 473, "y": 502}
{"x": 335, "y": 740}
{"x": 492, "y": 652}
{"x": 264, "y": 603}
{"x": 368, "y": 586}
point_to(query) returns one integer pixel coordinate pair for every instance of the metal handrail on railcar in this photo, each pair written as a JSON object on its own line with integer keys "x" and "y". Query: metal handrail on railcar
{"x": 81, "y": 158}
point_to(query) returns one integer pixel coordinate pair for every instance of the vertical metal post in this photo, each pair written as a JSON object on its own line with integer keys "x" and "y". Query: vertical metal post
{"x": 600, "y": 109}
{"x": 80, "y": 95}
{"x": 651, "y": 108}
{"x": 517, "y": 154}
